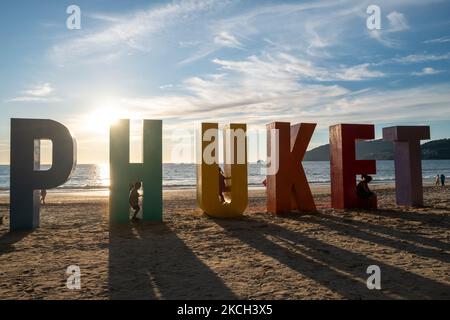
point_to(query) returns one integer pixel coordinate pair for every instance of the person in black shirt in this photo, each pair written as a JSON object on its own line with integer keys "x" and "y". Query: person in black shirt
{"x": 362, "y": 190}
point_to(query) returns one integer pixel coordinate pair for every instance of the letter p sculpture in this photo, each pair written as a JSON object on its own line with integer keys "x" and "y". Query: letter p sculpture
{"x": 27, "y": 178}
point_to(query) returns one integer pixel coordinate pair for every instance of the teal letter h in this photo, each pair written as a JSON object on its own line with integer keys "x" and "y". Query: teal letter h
{"x": 123, "y": 173}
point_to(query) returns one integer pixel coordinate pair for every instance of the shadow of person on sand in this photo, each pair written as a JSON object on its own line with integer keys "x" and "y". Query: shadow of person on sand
{"x": 340, "y": 270}
{"x": 149, "y": 261}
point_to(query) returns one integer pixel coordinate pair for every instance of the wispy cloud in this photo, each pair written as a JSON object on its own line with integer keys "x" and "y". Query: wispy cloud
{"x": 438, "y": 40}
{"x": 209, "y": 99}
{"x": 137, "y": 31}
{"x": 397, "y": 22}
{"x": 419, "y": 58}
{"x": 286, "y": 66}
{"x": 414, "y": 59}
{"x": 103, "y": 17}
{"x": 426, "y": 72}
{"x": 379, "y": 36}
{"x": 226, "y": 39}
{"x": 256, "y": 88}
{"x": 39, "y": 93}
{"x": 166, "y": 86}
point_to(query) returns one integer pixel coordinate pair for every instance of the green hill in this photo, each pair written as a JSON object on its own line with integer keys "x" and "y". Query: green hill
{"x": 383, "y": 150}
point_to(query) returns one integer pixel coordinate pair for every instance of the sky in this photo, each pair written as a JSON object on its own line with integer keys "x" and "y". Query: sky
{"x": 224, "y": 61}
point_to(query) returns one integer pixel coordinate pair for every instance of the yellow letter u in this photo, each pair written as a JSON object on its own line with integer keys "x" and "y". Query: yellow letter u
{"x": 222, "y": 194}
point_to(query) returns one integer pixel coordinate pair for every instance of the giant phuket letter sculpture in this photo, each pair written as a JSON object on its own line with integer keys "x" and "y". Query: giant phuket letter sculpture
{"x": 235, "y": 168}
{"x": 287, "y": 187}
{"x": 408, "y": 163}
{"x": 123, "y": 173}
{"x": 26, "y": 178}
{"x": 344, "y": 166}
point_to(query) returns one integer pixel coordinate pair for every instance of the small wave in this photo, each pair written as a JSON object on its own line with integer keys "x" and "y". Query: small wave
{"x": 84, "y": 187}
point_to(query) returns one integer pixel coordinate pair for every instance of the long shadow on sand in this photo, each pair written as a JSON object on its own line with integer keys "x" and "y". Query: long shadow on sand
{"x": 8, "y": 240}
{"x": 340, "y": 270}
{"x": 433, "y": 220}
{"x": 370, "y": 232}
{"x": 149, "y": 261}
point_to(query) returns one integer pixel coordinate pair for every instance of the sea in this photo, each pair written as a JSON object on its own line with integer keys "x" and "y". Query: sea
{"x": 95, "y": 177}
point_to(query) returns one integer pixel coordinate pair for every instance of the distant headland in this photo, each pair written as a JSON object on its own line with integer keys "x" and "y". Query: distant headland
{"x": 383, "y": 150}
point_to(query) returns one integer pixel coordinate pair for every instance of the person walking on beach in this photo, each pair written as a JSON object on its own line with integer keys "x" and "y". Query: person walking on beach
{"x": 134, "y": 198}
{"x": 362, "y": 190}
{"x": 43, "y": 195}
{"x": 442, "y": 180}
{"x": 437, "y": 181}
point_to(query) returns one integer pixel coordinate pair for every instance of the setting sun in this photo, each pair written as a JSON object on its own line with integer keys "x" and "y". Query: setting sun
{"x": 103, "y": 116}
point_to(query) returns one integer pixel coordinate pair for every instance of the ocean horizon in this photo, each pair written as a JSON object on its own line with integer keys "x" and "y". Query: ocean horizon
{"x": 95, "y": 177}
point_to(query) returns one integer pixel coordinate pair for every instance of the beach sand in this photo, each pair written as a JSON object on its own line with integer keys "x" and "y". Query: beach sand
{"x": 259, "y": 256}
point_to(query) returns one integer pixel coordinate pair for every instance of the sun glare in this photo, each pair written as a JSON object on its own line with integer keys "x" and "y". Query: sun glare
{"x": 104, "y": 174}
{"x": 103, "y": 116}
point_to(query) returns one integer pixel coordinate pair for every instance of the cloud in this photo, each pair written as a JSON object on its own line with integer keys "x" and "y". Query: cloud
{"x": 286, "y": 66}
{"x": 310, "y": 27}
{"x": 220, "y": 99}
{"x": 407, "y": 104}
{"x": 210, "y": 100}
{"x": 103, "y": 17}
{"x": 438, "y": 40}
{"x": 397, "y": 22}
{"x": 38, "y": 93}
{"x": 221, "y": 40}
{"x": 426, "y": 72}
{"x": 189, "y": 31}
{"x": 226, "y": 39}
{"x": 257, "y": 89}
{"x": 419, "y": 58}
{"x": 379, "y": 36}
{"x": 356, "y": 73}
{"x": 188, "y": 44}
{"x": 413, "y": 59}
{"x": 166, "y": 86}
{"x": 138, "y": 31}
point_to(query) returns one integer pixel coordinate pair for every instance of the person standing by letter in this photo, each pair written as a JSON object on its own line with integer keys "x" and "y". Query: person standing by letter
{"x": 134, "y": 199}
{"x": 43, "y": 195}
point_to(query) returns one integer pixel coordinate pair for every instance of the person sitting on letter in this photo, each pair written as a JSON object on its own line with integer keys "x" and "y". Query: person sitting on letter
{"x": 362, "y": 190}
{"x": 134, "y": 198}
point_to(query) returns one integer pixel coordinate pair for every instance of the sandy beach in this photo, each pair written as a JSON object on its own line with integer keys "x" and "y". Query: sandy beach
{"x": 259, "y": 256}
